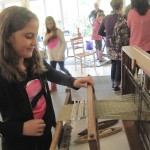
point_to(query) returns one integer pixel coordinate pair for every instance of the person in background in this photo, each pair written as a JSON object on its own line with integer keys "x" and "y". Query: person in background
{"x": 106, "y": 29}
{"x": 129, "y": 7}
{"x": 97, "y": 37}
{"x": 55, "y": 41}
{"x": 93, "y": 13}
{"x": 25, "y": 102}
{"x": 138, "y": 22}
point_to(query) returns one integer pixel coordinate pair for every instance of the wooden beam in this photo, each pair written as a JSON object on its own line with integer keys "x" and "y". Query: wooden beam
{"x": 141, "y": 57}
{"x": 68, "y": 99}
{"x": 93, "y": 137}
{"x": 58, "y": 130}
{"x": 59, "y": 124}
{"x": 133, "y": 67}
{"x": 133, "y": 137}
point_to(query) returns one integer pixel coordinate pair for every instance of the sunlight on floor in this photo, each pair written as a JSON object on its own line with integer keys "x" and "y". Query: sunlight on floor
{"x": 99, "y": 71}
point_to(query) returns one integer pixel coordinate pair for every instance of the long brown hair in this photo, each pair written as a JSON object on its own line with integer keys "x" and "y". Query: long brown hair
{"x": 13, "y": 19}
{"x": 51, "y": 19}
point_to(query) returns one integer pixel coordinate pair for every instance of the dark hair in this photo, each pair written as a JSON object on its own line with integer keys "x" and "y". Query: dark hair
{"x": 141, "y": 6}
{"x": 116, "y": 4}
{"x": 13, "y": 19}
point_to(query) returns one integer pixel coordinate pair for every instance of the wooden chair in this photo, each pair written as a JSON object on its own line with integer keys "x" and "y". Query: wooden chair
{"x": 80, "y": 53}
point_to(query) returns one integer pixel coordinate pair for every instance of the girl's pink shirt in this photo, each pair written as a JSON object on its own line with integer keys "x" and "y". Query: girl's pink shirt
{"x": 139, "y": 29}
{"x": 96, "y": 26}
{"x": 33, "y": 87}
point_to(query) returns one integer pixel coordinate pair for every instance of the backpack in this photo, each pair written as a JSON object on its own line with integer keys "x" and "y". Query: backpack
{"x": 119, "y": 38}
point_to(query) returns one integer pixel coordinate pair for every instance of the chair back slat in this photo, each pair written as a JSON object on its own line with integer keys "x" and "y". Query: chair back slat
{"x": 79, "y": 51}
{"x": 77, "y": 44}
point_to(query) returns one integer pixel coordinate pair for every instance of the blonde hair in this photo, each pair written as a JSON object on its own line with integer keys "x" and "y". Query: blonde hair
{"x": 100, "y": 14}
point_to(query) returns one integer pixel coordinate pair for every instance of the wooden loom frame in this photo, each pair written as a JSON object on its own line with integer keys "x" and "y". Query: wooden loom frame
{"x": 132, "y": 57}
{"x": 59, "y": 124}
{"x": 93, "y": 137}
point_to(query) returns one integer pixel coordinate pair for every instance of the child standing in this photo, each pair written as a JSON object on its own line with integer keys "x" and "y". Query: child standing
{"x": 97, "y": 37}
{"x": 56, "y": 44}
{"x": 25, "y": 102}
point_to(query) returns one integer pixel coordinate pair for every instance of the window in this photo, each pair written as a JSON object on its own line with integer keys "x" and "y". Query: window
{"x": 53, "y": 9}
{"x": 12, "y": 3}
{"x": 46, "y": 8}
{"x": 127, "y": 2}
{"x": 37, "y": 6}
{"x": 68, "y": 14}
{"x": 105, "y": 5}
{"x": 76, "y": 15}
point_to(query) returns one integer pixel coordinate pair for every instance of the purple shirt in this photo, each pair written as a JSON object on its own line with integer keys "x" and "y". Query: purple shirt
{"x": 107, "y": 26}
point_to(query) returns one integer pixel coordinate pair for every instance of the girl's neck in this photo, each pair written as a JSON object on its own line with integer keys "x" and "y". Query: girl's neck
{"x": 21, "y": 65}
{"x": 53, "y": 29}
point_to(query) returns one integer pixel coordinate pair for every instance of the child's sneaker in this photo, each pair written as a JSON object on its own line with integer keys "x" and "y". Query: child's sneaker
{"x": 117, "y": 89}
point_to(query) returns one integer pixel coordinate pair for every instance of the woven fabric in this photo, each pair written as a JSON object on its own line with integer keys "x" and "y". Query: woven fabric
{"x": 122, "y": 107}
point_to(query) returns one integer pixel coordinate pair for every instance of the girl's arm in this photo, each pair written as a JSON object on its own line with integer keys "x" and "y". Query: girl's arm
{"x": 58, "y": 77}
{"x": 101, "y": 30}
{"x": 63, "y": 79}
{"x": 63, "y": 43}
{"x": 47, "y": 38}
{"x": 8, "y": 128}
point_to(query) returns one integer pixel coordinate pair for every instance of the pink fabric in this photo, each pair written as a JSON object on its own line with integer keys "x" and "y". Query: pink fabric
{"x": 139, "y": 29}
{"x": 52, "y": 43}
{"x": 33, "y": 88}
{"x": 96, "y": 26}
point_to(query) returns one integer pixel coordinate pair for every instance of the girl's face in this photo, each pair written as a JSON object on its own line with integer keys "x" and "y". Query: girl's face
{"x": 100, "y": 18}
{"x": 24, "y": 41}
{"x": 50, "y": 25}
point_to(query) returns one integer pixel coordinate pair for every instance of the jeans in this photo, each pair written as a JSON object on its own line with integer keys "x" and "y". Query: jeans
{"x": 116, "y": 72}
{"x": 61, "y": 64}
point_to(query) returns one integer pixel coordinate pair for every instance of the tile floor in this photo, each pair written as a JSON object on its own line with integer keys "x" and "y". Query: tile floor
{"x": 99, "y": 71}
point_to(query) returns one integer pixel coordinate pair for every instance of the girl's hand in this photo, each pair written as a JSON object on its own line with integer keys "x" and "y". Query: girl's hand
{"x": 47, "y": 38}
{"x": 34, "y": 127}
{"x": 82, "y": 82}
{"x": 51, "y": 34}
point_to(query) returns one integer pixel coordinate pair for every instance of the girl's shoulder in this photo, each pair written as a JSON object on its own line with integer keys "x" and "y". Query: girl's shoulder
{"x": 96, "y": 22}
{"x": 110, "y": 17}
{"x": 3, "y": 81}
{"x": 59, "y": 30}
{"x": 133, "y": 12}
{"x": 60, "y": 33}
